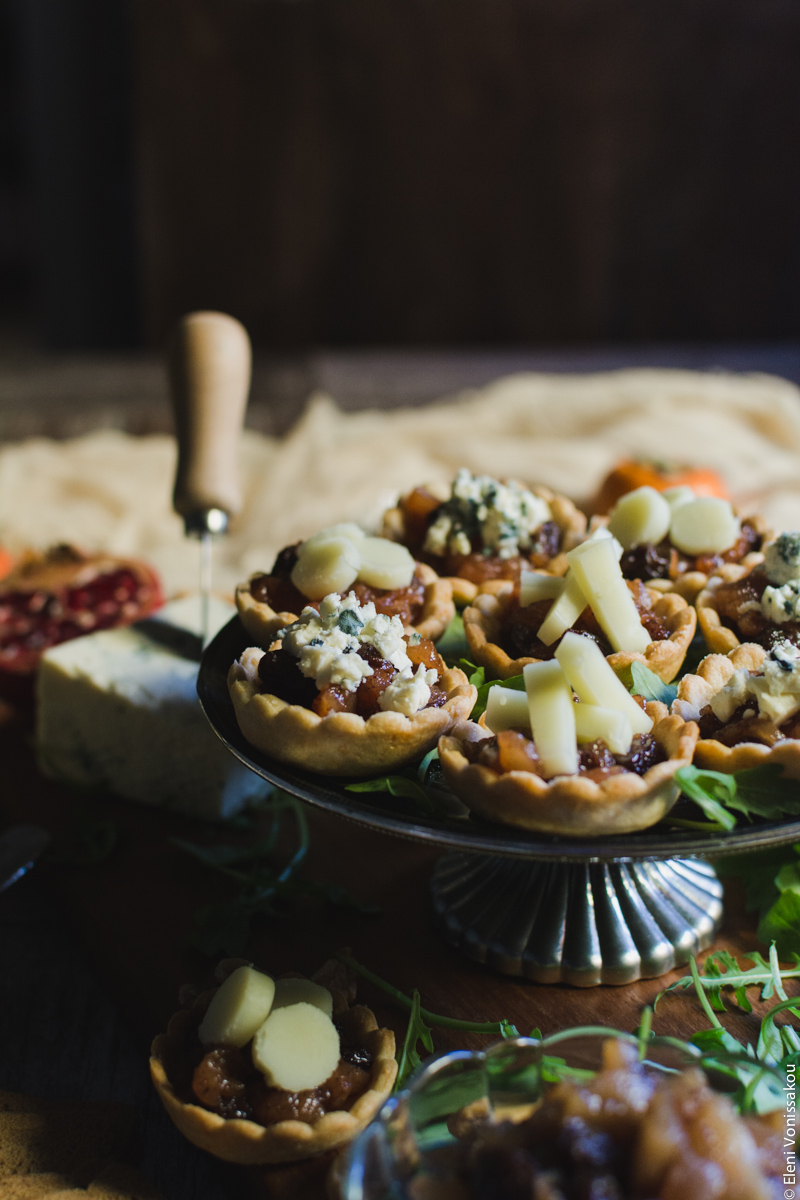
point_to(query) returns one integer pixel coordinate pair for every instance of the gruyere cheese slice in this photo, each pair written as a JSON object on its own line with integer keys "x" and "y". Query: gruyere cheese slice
{"x": 385, "y": 564}
{"x": 565, "y": 611}
{"x": 327, "y": 565}
{"x": 302, "y": 991}
{"x": 535, "y": 585}
{"x": 595, "y": 681}
{"x": 552, "y": 717}
{"x": 507, "y": 709}
{"x": 595, "y": 567}
{"x": 677, "y": 496}
{"x": 613, "y": 726}
{"x": 640, "y": 516}
{"x": 238, "y": 1008}
{"x": 706, "y": 525}
{"x": 297, "y": 1047}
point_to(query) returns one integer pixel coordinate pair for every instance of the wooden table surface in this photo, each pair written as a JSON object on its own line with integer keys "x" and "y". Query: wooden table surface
{"x": 95, "y": 956}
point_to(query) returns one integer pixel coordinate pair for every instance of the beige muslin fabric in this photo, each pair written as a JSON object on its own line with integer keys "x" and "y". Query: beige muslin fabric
{"x": 112, "y": 491}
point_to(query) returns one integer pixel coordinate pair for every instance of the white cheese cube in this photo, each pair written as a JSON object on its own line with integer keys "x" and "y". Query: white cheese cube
{"x": 552, "y": 716}
{"x": 566, "y": 610}
{"x": 595, "y": 682}
{"x": 119, "y": 710}
{"x": 706, "y": 525}
{"x": 507, "y": 709}
{"x": 640, "y": 516}
{"x": 592, "y": 722}
{"x": 598, "y": 573}
{"x": 535, "y": 585}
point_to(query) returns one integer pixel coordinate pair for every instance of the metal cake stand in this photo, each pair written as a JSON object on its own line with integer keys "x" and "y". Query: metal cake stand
{"x": 551, "y": 909}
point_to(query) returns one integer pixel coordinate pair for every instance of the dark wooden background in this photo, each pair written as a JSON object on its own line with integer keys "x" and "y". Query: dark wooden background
{"x": 456, "y": 171}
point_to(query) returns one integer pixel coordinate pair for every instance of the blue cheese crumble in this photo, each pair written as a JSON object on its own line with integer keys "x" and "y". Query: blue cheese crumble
{"x": 781, "y": 599}
{"x": 502, "y": 517}
{"x": 775, "y": 689}
{"x": 326, "y": 645}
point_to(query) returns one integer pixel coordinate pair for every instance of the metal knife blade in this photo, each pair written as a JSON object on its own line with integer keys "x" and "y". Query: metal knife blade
{"x": 20, "y": 846}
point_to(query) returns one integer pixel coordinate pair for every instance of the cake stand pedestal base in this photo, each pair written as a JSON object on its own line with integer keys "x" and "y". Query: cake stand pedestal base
{"x": 577, "y": 923}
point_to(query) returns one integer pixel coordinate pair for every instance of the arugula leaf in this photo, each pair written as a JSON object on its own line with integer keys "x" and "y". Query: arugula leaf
{"x": 759, "y": 792}
{"x": 711, "y": 792}
{"x": 516, "y": 683}
{"x": 647, "y": 684}
{"x": 453, "y": 645}
{"x": 397, "y": 785}
{"x": 759, "y": 873}
{"x": 781, "y": 924}
{"x": 417, "y": 1031}
{"x": 263, "y": 887}
{"x": 722, "y": 970}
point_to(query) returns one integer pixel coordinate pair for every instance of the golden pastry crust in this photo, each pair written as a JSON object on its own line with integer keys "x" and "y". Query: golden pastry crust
{"x": 691, "y": 583}
{"x": 262, "y": 622}
{"x": 695, "y": 692}
{"x": 718, "y": 637}
{"x": 567, "y": 516}
{"x": 250, "y": 1144}
{"x": 572, "y": 805}
{"x": 483, "y": 619}
{"x": 345, "y": 743}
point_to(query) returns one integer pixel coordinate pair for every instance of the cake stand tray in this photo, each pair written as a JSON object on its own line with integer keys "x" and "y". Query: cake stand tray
{"x": 581, "y": 911}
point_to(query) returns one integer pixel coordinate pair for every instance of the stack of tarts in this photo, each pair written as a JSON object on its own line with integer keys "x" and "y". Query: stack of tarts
{"x": 345, "y": 678}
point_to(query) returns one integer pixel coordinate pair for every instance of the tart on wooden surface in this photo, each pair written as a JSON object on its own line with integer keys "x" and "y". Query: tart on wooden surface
{"x": 747, "y": 705}
{"x": 484, "y": 529}
{"x": 508, "y": 626}
{"x": 595, "y": 801}
{"x": 215, "y": 1068}
{"x": 575, "y": 753}
{"x": 758, "y": 604}
{"x": 340, "y": 559}
{"x": 673, "y": 540}
{"x": 345, "y": 691}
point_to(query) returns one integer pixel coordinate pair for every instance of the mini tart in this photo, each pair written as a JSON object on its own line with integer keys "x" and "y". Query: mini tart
{"x": 570, "y": 805}
{"x": 569, "y": 519}
{"x": 712, "y": 675}
{"x": 690, "y": 584}
{"x": 246, "y": 1142}
{"x": 262, "y": 622}
{"x": 345, "y": 743}
{"x": 483, "y": 620}
{"x": 719, "y": 638}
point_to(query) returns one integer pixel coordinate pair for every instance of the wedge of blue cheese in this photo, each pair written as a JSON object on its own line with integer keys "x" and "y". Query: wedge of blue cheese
{"x": 119, "y": 710}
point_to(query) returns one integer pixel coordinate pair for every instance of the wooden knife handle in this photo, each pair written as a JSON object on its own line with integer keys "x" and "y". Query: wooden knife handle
{"x": 209, "y": 370}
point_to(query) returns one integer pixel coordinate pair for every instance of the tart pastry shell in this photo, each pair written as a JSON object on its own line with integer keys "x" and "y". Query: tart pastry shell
{"x": 718, "y": 637}
{"x": 262, "y": 622}
{"x": 250, "y": 1144}
{"x": 567, "y": 516}
{"x": 344, "y": 743}
{"x": 483, "y": 620}
{"x": 696, "y": 690}
{"x": 572, "y": 805}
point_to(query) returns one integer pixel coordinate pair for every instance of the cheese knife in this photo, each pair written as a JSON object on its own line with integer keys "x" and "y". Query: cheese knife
{"x": 210, "y": 364}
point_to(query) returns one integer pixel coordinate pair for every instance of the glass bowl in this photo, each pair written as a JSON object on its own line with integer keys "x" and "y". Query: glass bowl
{"x": 412, "y": 1128}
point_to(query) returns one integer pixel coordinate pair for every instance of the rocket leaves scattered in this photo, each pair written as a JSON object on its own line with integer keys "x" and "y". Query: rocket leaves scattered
{"x": 647, "y": 684}
{"x": 264, "y": 887}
